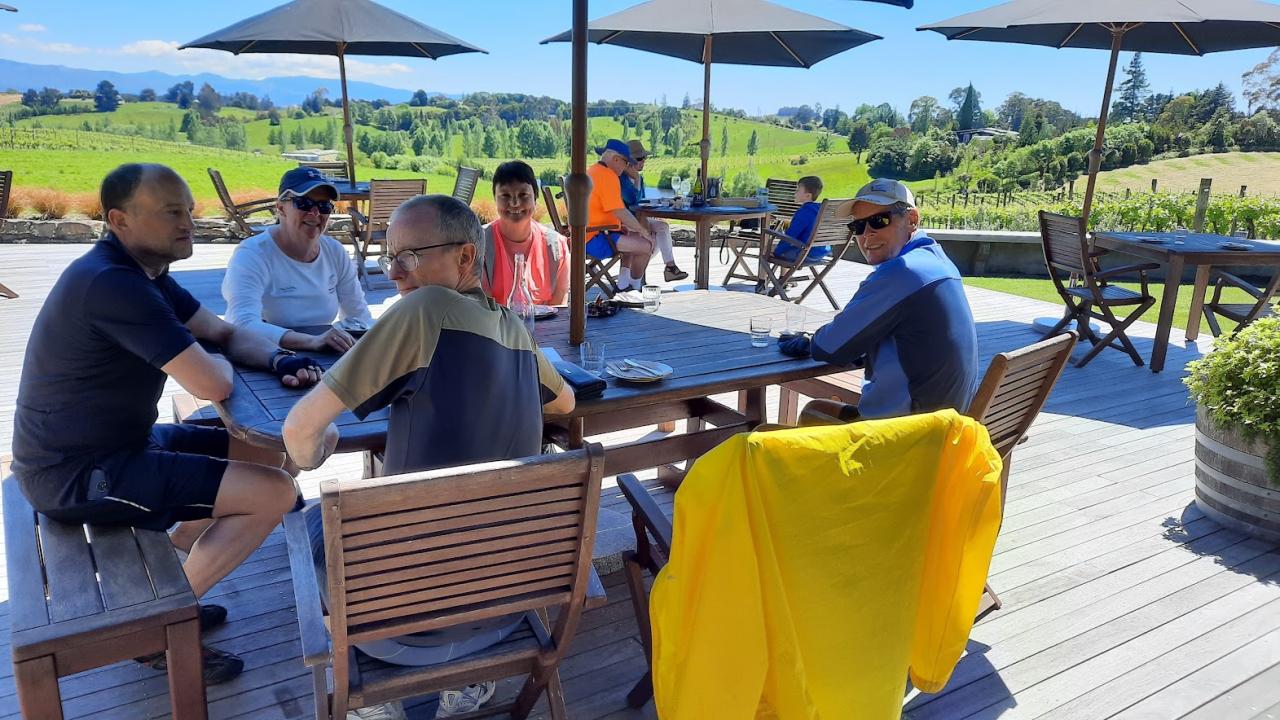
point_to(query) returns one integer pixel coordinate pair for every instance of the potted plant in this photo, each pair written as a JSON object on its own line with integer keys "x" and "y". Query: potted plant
{"x": 1237, "y": 392}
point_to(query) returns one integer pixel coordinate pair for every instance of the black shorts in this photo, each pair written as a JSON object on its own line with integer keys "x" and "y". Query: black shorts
{"x": 174, "y": 478}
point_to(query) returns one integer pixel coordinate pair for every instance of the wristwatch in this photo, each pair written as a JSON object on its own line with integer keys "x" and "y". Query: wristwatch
{"x": 275, "y": 357}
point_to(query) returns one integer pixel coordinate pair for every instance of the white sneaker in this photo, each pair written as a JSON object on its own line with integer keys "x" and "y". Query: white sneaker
{"x": 389, "y": 711}
{"x": 467, "y": 700}
{"x": 630, "y": 297}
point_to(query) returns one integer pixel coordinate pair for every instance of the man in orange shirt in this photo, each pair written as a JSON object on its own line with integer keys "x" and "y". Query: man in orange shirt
{"x": 605, "y": 208}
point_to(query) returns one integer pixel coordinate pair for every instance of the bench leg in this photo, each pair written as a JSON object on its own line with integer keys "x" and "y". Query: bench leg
{"x": 37, "y": 683}
{"x": 186, "y": 679}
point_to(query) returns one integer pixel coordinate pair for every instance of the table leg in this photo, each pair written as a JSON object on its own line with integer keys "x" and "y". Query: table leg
{"x": 37, "y": 685}
{"x": 1197, "y": 301}
{"x": 186, "y": 683}
{"x": 755, "y": 405}
{"x": 577, "y": 431}
{"x": 702, "y": 268}
{"x": 1172, "y": 279}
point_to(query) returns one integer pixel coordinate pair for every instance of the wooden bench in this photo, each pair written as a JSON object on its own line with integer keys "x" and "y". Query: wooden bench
{"x": 189, "y": 409}
{"x": 81, "y": 597}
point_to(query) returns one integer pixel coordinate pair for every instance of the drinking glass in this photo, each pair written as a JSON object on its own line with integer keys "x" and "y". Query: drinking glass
{"x": 795, "y": 319}
{"x": 592, "y": 356}
{"x": 760, "y": 327}
{"x": 652, "y": 295}
{"x": 1180, "y": 235}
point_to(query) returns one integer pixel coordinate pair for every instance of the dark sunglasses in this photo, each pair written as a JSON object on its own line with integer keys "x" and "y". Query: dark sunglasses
{"x": 304, "y": 203}
{"x": 879, "y": 221}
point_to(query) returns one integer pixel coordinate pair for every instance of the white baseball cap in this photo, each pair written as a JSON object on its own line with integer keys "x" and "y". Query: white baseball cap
{"x": 885, "y": 192}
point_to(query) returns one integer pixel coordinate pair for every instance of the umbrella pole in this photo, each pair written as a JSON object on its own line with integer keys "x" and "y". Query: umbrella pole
{"x": 346, "y": 115}
{"x": 1095, "y": 156}
{"x": 578, "y": 187}
{"x": 704, "y": 147}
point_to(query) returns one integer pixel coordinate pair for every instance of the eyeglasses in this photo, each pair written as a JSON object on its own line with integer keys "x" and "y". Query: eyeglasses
{"x": 304, "y": 203}
{"x": 408, "y": 258}
{"x": 879, "y": 221}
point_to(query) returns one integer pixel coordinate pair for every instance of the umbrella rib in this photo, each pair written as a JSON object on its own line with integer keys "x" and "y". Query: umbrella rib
{"x": 1072, "y": 34}
{"x": 250, "y": 44}
{"x": 1181, "y": 32}
{"x": 424, "y": 51}
{"x": 790, "y": 52}
{"x": 966, "y": 33}
{"x": 609, "y": 37}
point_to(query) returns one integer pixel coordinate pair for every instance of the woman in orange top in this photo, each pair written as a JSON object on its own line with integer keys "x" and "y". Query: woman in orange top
{"x": 515, "y": 192}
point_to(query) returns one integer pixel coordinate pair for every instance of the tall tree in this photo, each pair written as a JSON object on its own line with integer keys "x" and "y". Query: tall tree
{"x": 859, "y": 137}
{"x": 147, "y": 95}
{"x": 1262, "y": 83}
{"x": 970, "y": 116}
{"x": 1133, "y": 91}
{"x": 208, "y": 101}
{"x": 105, "y": 97}
{"x": 724, "y": 140}
{"x": 921, "y": 113}
{"x": 753, "y": 143}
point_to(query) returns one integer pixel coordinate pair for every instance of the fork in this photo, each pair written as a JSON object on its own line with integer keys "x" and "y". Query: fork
{"x": 628, "y": 362}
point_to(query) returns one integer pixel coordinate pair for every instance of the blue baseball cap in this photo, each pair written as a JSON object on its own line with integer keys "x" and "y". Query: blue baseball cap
{"x": 302, "y": 180}
{"x": 617, "y": 146}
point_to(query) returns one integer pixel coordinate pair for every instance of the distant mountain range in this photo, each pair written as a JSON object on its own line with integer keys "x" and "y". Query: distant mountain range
{"x": 283, "y": 90}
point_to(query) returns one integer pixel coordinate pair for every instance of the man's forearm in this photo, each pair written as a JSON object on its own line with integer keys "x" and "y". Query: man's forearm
{"x": 630, "y": 221}
{"x": 310, "y": 451}
{"x": 249, "y": 348}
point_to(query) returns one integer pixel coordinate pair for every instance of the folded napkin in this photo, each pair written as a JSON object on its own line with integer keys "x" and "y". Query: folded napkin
{"x": 586, "y": 386}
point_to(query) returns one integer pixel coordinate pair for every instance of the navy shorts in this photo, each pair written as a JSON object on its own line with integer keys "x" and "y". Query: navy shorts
{"x": 174, "y": 478}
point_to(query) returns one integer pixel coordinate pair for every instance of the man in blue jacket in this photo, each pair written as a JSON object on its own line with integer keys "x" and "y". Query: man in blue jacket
{"x": 909, "y": 323}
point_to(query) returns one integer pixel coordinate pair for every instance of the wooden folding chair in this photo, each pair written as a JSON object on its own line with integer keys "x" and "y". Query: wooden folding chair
{"x": 438, "y": 549}
{"x": 599, "y": 271}
{"x": 1086, "y": 289}
{"x": 240, "y": 213}
{"x": 6, "y": 182}
{"x": 1009, "y": 398}
{"x": 464, "y": 188}
{"x": 741, "y": 243}
{"x": 335, "y": 169}
{"x": 1240, "y": 313}
{"x": 830, "y": 231}
{"x": 384, "y": 197}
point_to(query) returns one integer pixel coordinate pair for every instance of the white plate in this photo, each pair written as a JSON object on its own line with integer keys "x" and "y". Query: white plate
{"x": 542, "y": 312}
{"x": 1152, "y": 240}
{"x": 1234, "y": 246}
{"x": 662, "y": 371}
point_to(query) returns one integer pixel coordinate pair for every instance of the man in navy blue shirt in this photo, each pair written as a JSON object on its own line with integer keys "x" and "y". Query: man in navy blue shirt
{"x": 909, "y": 322}
{"x": 86, "y": 446}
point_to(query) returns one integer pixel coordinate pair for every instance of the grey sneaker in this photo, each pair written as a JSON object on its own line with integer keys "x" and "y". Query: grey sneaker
{"x": 389, "y": 711}
{"x": 467, "y": 700}
{"x": 673, "y": 273}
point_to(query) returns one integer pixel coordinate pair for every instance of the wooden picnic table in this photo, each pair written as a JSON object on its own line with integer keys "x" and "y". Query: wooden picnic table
{"x": 703, "y": 218}
{"x": 702, "y": 335}
{"x": 1201, "y": 250}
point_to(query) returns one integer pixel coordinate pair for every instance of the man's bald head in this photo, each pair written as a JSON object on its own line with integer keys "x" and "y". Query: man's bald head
{"x": 446, "y": 219}
{"x": 119, "y": 186}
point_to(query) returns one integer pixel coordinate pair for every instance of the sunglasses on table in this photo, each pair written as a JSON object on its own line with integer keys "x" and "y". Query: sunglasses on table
{"x": 304, "y": 203}
{"x": 879, "y": 221}
{"x": 408, "y": 258}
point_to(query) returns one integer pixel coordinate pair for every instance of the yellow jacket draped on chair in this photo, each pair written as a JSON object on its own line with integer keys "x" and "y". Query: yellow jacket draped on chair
{"x": 813, "y": 568}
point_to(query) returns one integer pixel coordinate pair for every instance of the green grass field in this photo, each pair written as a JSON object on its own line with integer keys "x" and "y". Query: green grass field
{"x": 1042, "y": 289}
{"x": 1260, "y": 171}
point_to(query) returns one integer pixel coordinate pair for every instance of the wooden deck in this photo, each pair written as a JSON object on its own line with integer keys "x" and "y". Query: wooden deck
{"x": 1121, "y": 599}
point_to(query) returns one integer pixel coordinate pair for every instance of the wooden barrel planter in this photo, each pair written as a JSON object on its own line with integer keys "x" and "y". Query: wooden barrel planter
{"x": 1232, "y": 485}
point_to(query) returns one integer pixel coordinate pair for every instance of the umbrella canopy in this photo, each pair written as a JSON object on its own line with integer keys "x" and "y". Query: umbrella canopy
{"x": 738, "y": 32}
{"x": 1185, "y": 27}
{"x": 10, "y": 8}
{"x": 335, "y": 27}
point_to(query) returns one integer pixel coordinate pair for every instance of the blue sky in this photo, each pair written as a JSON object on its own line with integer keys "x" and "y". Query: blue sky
{"x": 130, "y": 35}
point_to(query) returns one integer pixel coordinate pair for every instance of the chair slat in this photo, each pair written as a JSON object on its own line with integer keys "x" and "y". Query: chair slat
{"x": 400, "y": 596}
{"x": 544, "y": 538}
{"x": 128, "y": 582}
{"x": 6, "y": 185}
{"x": 425, "y": 565}
{"x": 463, "y": 572}
{"x": 22, "y": 554}
{"x": 371, "y": 529}
{"x": 73, "y": 586}
{"x": 453, "y": 603}
{"x": 466, "y": 535}
{"x": 378, "y": 496}
{"x": 458, "y": 525}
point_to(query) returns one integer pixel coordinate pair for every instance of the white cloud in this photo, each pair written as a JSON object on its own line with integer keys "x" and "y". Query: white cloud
{"x": 32, "y": 27}
{"x": 33, "y": 44}
{"x": 256, "y": 66}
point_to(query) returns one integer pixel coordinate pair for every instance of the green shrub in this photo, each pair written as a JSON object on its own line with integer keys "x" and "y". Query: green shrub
{"x": 1238, "y": 383}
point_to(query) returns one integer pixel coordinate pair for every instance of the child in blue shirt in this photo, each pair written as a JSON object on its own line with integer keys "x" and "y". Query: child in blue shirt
{"x": 808, "y": 189}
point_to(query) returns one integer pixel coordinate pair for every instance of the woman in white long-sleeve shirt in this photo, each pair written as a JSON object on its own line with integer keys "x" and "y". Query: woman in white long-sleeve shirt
{"x": 293, "y": 275}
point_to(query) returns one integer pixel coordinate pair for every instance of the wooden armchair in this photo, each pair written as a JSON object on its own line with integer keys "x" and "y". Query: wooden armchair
{"x": 240, "y": 213}
{"x": 600, "y": 271}
{"x": 6, "y": 183}
{"x": 384, "y": 197}
{"x": 744, "y": 244}
{"x": 335, "y": 169}
{"x": 830, "y": 231}
{"x": 1240, "y": 313}
{"x": 464, "y": 187}
{"x": 437, "y": 549}
{"x": 1090, "y": 295}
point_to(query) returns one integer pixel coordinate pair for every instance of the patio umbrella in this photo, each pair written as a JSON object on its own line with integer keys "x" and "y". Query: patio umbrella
{"x": 1183, "y": 27}
{"x": 334, "y": 27}
{"x": 10, "y": 8}
{"x": 738, "y": 32}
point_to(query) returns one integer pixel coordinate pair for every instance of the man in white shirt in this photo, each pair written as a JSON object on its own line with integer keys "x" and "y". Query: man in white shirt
{"x": 295, "y": 276}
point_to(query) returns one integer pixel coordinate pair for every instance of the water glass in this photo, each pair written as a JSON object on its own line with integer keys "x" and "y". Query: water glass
{"x": 652, "y": 295}
{"x": 1180, "y": 235}
{"x": 592, "y": 356}
{"x": 760, "y": 327}
{"x": 795, "y": 319}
